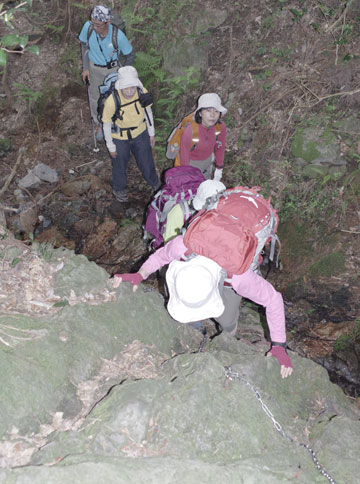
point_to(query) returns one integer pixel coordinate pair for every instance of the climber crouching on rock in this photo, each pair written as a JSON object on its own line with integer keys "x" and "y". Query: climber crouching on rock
{"x": 195, "y": 287}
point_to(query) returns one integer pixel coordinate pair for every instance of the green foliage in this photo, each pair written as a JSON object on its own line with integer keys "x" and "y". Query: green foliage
{"x": 27, "y": 93}
{"x": 311, "y": 204}
{"x": 14, "y": 43}
{"x": 283, "y": 54}
{"x": 347, "y": 342}
{"x": 8, "y": 15}
{"x": 329, "y": 265}
{"x": 241, "y": 172}
{"x": 55, "y": 32}
{"x": 80, "y": 5}
{"x": 170, "y": 94}
{"x": 5, "y": 146}
{"x": 298, "y": 14}
{"x": 44, "y": 250}
{"x": 153, "y": 27}
{"x": 148, "y": 65}
{"x": 230, "y": 121}
{"x": 125, "y": 222}
{"x": 15, "y": 261}
{"x": 61, "y": 304}
{"x": 264, "y": 75}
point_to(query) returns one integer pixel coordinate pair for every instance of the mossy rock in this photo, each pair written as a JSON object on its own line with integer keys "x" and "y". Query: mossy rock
{"x": 313, "y": 171}
{"x": 317, "y": 146}
{"x": 329, "y": 265}
{"x": 183, "y": 54}
{"x": 305, "y": 150}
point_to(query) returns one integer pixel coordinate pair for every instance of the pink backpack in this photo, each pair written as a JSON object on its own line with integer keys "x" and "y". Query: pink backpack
{"x": 234, "y": 234}
{"x": 181, "y": 184}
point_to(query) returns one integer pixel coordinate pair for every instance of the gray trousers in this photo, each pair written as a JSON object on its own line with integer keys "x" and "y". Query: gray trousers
{"x": 205, "y": 166}
{"x": 97, "y": 76}
{"x": 229, "y": 318}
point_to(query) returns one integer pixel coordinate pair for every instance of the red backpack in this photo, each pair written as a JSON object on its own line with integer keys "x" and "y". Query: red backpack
{"x": 234, "y": 234}
{"x": 223, "y": 239}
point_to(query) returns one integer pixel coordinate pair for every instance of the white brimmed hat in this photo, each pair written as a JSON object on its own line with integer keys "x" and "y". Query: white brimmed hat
{"x": 128, "y": 77}
{"x": 210, "y": 100}
{"x": 194, "y": 289}
{"x": 207, "y": 188}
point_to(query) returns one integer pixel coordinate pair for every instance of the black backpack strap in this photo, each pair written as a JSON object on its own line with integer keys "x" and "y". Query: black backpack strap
{"x": 140, "y": 91}
{"x": 89, "y": 32}
{"x": 117, "y": 102}
{"x": 114, "y": 38}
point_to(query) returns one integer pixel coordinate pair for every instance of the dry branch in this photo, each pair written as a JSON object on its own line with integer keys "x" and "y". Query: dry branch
{"x": 12, "y": 174}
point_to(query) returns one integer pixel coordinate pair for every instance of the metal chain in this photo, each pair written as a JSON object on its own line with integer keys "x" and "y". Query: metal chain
{"x": 230, "y": 374}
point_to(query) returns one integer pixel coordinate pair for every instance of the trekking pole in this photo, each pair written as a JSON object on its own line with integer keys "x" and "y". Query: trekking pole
{"x": 96, "y": 149}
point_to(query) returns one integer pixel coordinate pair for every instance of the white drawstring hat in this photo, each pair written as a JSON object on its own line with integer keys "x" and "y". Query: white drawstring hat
{"x": 207, "y": 188}
{"x": 210, "y": 100}
{"x": 194, "y": 289}
{"x": 128, "y": 77}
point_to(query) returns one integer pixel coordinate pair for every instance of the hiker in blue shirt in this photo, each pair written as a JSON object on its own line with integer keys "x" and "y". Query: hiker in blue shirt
{"x": 100, "y": 56}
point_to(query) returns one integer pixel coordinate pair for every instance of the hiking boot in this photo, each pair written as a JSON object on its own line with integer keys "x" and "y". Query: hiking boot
{"x": 121, "y": 196}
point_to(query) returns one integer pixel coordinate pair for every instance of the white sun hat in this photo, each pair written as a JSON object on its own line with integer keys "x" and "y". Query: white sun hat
{"x": 210, "y": 100}
{"x": 194, "y": 289}
{"x": 128, "y": 77}
{"x": 207, "y": 188}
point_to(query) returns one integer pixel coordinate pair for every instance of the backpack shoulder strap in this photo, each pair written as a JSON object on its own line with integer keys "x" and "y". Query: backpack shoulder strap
{"x": 89, "y": 32}
{"x": 117, "y": 102}
{"x": 114, "y": 37}
{"x": 218, "y": 128}
{"x": 140, "y": 91}
{"x": 195, "y": 135}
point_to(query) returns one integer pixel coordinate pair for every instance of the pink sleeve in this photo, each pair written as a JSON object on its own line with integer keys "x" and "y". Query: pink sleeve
{"x": 254, "y": 287}
{"x": 173, "y": 250}
{"x": 185, "y": 145}
{"x": 220, "y": 147}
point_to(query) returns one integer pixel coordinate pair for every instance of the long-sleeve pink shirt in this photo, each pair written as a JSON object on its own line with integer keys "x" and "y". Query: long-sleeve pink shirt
{"x": 206, "y": 145}
{"x": 248, "y": 285}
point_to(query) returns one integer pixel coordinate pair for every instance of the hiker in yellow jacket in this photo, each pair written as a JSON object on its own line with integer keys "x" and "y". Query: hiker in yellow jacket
{"x": 133, "y": 132}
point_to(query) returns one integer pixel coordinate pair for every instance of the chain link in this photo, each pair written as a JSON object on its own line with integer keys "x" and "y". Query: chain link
{"x": 230, "y": 374}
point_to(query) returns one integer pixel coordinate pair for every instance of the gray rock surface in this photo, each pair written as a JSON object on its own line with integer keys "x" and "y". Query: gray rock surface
{"x": 106, "y": 387}
{"x": 45, "y": 173}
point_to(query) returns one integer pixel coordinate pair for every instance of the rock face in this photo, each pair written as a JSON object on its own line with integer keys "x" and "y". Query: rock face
{"x": 103, "y": 386}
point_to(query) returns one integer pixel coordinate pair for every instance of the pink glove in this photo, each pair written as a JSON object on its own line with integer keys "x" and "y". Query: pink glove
{"x": 281, "y": 355}
{"x": 134, "y": 278}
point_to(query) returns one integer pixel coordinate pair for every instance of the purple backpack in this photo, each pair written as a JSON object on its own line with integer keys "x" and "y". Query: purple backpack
{"x": 181, "y": 184}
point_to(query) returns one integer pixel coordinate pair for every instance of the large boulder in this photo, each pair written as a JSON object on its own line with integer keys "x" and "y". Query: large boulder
{"x": 106, "y": 387}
